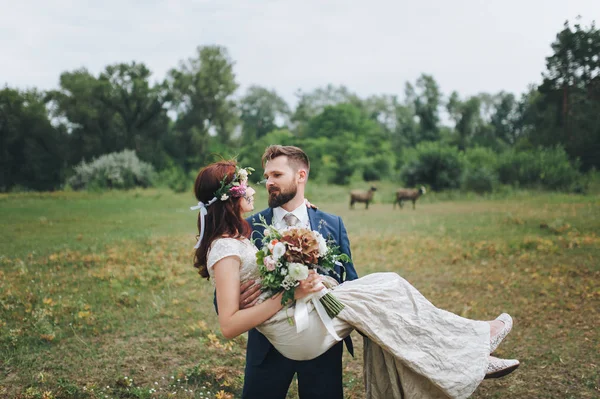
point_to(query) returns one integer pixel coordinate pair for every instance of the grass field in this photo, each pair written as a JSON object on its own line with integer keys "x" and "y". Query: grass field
{"x": 98, "y": 298}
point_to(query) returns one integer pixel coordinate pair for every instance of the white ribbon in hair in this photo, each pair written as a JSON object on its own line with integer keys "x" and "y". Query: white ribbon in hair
{"x": 202, "y": 206}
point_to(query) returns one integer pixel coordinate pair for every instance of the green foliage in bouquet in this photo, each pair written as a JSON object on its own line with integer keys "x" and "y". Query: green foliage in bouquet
{"x": 288, "y": 254}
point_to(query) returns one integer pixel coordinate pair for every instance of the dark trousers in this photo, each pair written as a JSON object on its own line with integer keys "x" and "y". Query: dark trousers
{"x": 317, "y": 378}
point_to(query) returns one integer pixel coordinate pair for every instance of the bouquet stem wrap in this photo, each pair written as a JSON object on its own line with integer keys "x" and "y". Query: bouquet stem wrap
{"x": 327, "y": 307}
{"x": 331, "y": 304}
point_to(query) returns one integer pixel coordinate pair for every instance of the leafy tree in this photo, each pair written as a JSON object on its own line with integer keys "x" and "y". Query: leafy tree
{"x": 504, "y": 119}
{"x": 31, "y": 149}
{"x": 250, "y": 154}
{"x": 356, "y": 144}
{"x": 116, "y": 111}
{"x": 140, "y": 119}
{"x": 313, "y": 103}
{"x": 397, "y": 120}
{"x": 262, "y": 111}
{"x": 488, "y": 120}
{"x": 426, "y": 100}
{"x": 567, "y": 109}
{"x": 467, "y": 117}
{"x": 382, "y": 109}
{"x": 201, "y": 90}
{"x": 78, "y": 107}
{"x": 406, "y": 131}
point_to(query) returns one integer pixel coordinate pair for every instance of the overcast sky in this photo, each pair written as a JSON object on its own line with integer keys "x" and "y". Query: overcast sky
{"x": 373, "y": 46}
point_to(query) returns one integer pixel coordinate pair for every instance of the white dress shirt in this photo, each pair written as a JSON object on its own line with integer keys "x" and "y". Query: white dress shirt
{"x": 301, "y": 213}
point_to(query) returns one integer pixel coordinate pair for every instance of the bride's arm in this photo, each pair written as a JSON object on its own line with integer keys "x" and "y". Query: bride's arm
{"x": 234, "y": 321}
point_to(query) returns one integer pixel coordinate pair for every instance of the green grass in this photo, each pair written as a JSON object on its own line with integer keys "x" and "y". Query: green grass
{"x": 34, "y": 223}
{"x": 98, "y": 287}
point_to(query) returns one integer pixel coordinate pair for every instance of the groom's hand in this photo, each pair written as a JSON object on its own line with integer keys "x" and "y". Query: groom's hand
{"x": 249, "y": 293}
{"x": 309, "y": 285}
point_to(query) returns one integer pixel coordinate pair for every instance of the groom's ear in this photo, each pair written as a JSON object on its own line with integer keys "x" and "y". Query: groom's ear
{"x": 302, "y": 175}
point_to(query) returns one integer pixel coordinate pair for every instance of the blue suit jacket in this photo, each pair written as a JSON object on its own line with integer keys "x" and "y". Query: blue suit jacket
{"x": 330, "y": 226}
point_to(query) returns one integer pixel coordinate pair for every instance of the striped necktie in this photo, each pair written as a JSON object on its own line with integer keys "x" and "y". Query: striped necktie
{"x": 291, "y": 219}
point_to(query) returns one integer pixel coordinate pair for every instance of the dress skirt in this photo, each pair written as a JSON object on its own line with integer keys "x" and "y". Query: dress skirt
{"x": 412, "y": 349}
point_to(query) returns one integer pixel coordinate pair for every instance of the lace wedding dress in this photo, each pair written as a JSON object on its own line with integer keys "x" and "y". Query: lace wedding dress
{"x": 412, "y": 349}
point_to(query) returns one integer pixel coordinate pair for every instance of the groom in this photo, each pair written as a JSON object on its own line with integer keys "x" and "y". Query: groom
{"x": 268, "y": 374}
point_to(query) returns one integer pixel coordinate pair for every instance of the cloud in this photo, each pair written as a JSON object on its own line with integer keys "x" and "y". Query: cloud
{"x": 372, "y": 47}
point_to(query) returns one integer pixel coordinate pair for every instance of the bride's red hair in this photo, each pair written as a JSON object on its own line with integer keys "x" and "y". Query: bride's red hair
{"x": 223, "y": 218}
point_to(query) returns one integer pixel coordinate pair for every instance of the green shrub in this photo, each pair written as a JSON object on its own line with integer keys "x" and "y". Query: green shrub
{"x": 479, "y": 174}
{"x": 516, "y": 168}
{"x": 547, "y": 168}
{"x": 438, "y": 165}
{"x": 121, "y": 170}
{"x": 479, "y": 180}
{"x": 175, "y": 178}
{"x": 481, "y": 157}
{"x": 590, "y": 183}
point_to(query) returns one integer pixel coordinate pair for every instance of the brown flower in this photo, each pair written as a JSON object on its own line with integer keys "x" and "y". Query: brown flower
{"x": 302, "y": 246}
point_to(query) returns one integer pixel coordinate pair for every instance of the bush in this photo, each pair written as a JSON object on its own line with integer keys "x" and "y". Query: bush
{"x": 590, "y": 183}
{"x": 480, "y": 173}
{"x": 175, "y": 178}
{"x": 481, "y": 157}
{"x": 377, "y": 167}
{"x": 548, "y": 168}
{"x": 479, "y": 180}
{"x": 438, "y": 165}
{"x": 516, "y": 168}
{"x": 122, "y": 170}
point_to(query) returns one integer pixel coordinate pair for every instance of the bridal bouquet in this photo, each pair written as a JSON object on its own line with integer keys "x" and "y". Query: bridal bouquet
{"x": 288, "y": 254}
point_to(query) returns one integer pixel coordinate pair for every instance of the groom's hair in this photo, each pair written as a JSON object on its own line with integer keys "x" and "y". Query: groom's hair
{"x": 296, "y": 157}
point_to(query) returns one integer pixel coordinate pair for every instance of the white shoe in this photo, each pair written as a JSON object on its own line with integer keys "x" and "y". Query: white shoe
{"x": 496, "y": 339}
{"x": 500, "y": 367}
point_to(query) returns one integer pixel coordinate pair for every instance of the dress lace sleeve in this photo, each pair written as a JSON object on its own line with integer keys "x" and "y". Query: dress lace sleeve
{"x": 222, "y": 248}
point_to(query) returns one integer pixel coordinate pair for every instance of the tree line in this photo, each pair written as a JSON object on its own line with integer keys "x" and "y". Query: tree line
{"x": 179, "y": 124}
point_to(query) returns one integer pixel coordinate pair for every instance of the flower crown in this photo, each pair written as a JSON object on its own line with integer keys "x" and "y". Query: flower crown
{"x": 237, "y": 187}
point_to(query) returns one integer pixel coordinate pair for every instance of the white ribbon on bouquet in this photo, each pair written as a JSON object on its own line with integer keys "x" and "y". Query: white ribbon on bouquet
{"x": 301, "y": 312}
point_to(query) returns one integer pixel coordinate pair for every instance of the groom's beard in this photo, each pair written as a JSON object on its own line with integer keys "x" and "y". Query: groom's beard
{"x": 280, "y": 196}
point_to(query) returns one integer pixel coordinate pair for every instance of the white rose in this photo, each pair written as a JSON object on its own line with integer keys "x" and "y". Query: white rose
{"x": 243, "y": 173}
{"x": 224, "y": 197}
{"x": 322, "y": 244}
{"x": 278, "y": 250}
{"x": 298, "y": 271}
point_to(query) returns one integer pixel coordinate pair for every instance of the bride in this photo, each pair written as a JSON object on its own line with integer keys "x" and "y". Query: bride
{"x": 449, "y": 354}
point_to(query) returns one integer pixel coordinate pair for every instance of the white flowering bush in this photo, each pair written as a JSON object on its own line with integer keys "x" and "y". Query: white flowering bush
{"x": 120, "y": 170}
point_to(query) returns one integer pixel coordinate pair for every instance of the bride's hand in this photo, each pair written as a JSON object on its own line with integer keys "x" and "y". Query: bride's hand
{"x": 308, "y": 286}
{"x": 309, "y": 205}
